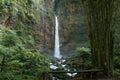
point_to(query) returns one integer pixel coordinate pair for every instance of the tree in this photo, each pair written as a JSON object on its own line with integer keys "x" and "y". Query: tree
{"x": 18, "y": 62}
{"x": 99, "y": 15}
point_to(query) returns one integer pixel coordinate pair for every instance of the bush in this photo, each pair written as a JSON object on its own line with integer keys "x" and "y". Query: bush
{"x": 18, "y": 62}
{"x": 80, "y": 59}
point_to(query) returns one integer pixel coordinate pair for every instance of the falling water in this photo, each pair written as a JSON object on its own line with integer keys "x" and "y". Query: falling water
{"x": 57, "y": 46}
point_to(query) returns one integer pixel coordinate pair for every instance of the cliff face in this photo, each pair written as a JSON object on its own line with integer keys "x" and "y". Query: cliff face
{"x": 71, "y": 24}
{"x": 45, "y": 29}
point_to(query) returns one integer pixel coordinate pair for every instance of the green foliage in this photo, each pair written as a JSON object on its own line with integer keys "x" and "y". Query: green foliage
{"x": 21, "y": 16}
{"x": 7, "y": 6}
{"x": 80, "y": 59}
{"x": 10, "y": 40}
{"x": 19, "y": 62}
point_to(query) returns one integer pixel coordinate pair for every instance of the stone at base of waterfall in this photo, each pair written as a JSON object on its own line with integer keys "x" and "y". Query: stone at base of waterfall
{"x": 71, "y": 74}
{"x": 53, "y": 67}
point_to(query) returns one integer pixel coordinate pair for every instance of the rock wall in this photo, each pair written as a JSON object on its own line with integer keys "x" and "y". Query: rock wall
{"x": 71, "y": 24}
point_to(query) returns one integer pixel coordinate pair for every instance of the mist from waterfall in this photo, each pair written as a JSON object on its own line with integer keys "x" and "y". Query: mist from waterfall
{"x": 57, "y": 44}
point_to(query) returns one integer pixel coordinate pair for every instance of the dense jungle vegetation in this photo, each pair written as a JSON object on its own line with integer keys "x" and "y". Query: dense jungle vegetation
{"x": 89, "y": 37}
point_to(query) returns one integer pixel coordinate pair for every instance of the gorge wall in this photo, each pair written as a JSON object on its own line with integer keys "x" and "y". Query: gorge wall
{"x": 72, "y": 26}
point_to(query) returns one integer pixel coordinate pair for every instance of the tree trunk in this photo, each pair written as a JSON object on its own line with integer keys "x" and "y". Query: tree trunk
{"x": 99, "y": 19}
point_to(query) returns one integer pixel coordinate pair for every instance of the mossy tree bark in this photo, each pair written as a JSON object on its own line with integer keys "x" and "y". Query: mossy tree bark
{"x": 99, "y": 15}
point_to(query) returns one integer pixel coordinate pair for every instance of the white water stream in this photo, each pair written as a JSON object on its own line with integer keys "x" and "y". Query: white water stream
{"x": 57, "y": 43}
{"x": 57, "y": 52}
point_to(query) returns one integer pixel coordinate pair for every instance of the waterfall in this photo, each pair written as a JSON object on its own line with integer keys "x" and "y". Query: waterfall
{"x": 57, "y": 45}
